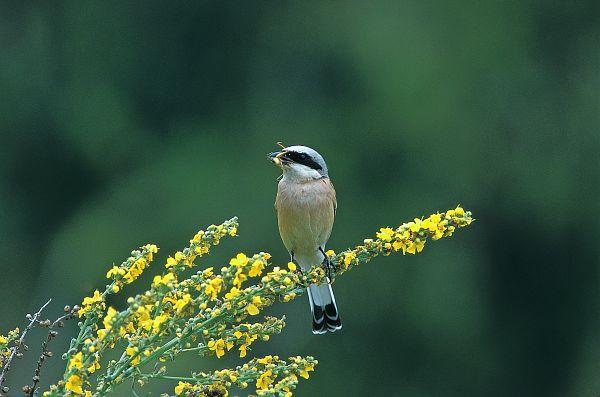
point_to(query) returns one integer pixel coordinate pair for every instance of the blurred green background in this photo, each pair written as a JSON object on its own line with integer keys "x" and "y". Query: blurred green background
{"x": 123, "y": 123}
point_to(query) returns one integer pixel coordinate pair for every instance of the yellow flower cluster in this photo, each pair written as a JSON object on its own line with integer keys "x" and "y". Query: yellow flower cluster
{"x": 205, "y": 311}
{"x": 409, "y": 237}
{"x": 146, "y": 319}
{"x": 188, "y": 389}
{"x": 91, "y": 303}
{"x": 75, "y": 384}
{"x": 200, "y": 245}
{"x": 244, "y": 267}
{"x": 243, "y": 335}
{"x": 271, "y": 375}
{"x": 5, "y": 341}
{"x": 132, "y": 268}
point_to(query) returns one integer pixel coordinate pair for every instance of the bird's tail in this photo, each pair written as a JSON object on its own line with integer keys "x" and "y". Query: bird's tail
{"x": 324, "y": 309}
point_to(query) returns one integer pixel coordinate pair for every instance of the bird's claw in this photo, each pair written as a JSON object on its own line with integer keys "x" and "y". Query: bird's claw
{"x": 330, "y": 269}
{"x": 298, "y": 272}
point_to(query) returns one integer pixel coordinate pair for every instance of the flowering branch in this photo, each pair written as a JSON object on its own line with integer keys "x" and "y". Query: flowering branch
{"x": 206, "y": 312}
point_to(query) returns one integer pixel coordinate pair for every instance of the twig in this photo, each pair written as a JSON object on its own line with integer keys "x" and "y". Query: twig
{"x": 18, "y": 344}
{"x": 58, "y": 323}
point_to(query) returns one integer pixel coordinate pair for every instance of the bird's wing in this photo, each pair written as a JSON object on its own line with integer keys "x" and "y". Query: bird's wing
{"x": 326, "y": 213}
{"x": 333, "y": 199}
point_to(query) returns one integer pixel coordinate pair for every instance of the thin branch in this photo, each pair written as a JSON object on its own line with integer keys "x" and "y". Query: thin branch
{"x": 30, "y": 391}
{"x": 18, "y": 344}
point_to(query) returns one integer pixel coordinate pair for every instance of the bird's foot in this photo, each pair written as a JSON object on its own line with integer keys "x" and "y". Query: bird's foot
{"x": 298, "y": 271}
{"x": 301, "y": 277}
{"x": 330, "y": 268}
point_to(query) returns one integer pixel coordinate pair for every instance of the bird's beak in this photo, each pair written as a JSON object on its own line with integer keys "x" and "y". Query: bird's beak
{"x": 274, "y": 157}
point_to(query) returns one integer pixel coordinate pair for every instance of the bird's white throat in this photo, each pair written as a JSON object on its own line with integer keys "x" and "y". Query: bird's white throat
{"x": 299, "y": 173}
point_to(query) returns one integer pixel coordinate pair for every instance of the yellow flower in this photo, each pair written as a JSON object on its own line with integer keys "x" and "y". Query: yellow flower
{"x": 214, "y": 287}
{"x": 218, "y": 347}
{"x": 246, "y": 344}
{"x": 170, "y": 262}
{"x": 330, "y": 253}
{"x": 265, "y": 380}
{"x": 289, "y": 297}
{"x": 399, "y": 245}
{"x": 198, "y": 237}
{"x": 257, "y": 268}
{"x": 164, "y": 280}
{"x": 183, "y": 302}
{"x": 385, "y": 234}
{"x": 3, "y": 340}
{"x": 240, "y": 260}
{"x": 415, "y": 226}
{"x": 181, "y": 386}
{"x": 306, "y": 370}
{"x": 151, "y": 248}
{"x": 74, "y": 384}
{"x": 428, "y": 224}
{"x": 291, "y": 266}
{"x": 143, "y": 317}
{"x": 115, "y": 270}
{"x": 415, "y": 247}
{"x": 432, "y": 222}
{"x": 252, "y": 309}
{"x": 90, "y": 301}
{"x": 232, "y": 293}
{"x": 130, "y": 328}
{"x": 239, "y": 278}
{"x": 265, "y": 360}
{"x": 208, "y": 272}
{"x": 132, "y": 351}
{"x": 87, "y": 342}
{"x": 158, "y": 321}
{"x": 348, "y": 258}
{"x": 92, "y": 368}
{"x": 102, "y": 333}
{"x": 110, "y": 314}
{"x": 75, "y": 361}
{"x": 201, "y": 250}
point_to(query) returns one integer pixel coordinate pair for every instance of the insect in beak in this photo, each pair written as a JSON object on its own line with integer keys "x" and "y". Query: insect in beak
{"x": 276, "y": 156}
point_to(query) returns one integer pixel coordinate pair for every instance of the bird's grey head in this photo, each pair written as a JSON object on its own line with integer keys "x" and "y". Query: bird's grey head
{"x": 300, "y": 163}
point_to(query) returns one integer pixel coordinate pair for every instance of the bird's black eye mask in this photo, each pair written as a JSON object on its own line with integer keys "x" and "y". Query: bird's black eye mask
{"x": 302, "y": 158}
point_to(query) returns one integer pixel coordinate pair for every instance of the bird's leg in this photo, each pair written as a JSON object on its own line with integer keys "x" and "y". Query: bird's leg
{"x": 330, "y": 268}
{"x": 298, "y": 268}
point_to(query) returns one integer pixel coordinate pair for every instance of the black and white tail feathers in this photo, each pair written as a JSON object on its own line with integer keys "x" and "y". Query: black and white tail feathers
{"x": 324, "y": 309}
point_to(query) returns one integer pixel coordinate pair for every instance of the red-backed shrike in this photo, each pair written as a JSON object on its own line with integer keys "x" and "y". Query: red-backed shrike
{"x": 306, "y": 206}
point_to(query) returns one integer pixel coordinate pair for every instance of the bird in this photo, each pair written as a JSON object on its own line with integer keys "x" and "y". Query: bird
{"x": 306, "y": 206}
